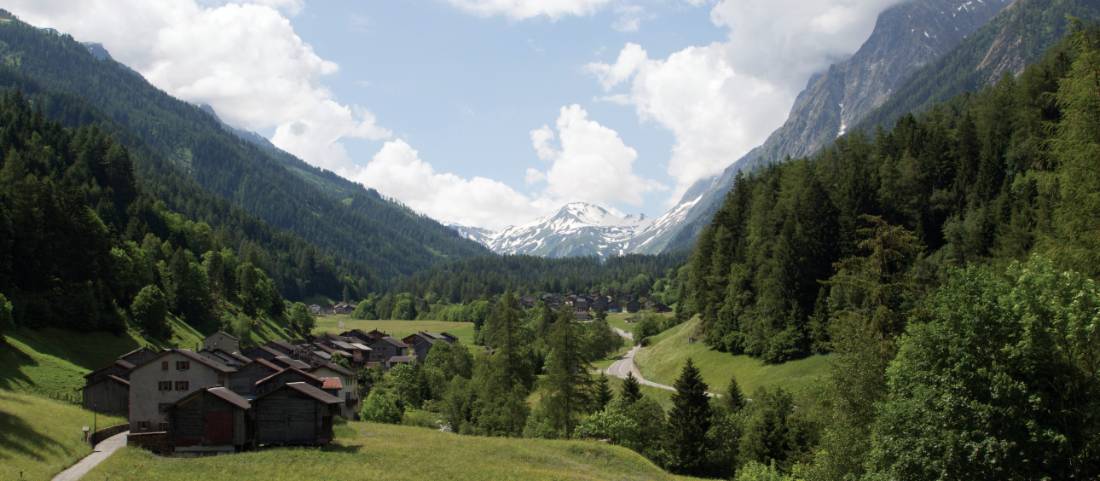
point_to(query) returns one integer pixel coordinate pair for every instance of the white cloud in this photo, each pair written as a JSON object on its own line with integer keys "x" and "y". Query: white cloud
{"x": 397, "y": 171}
{"x": 244, "y": 59}
{"x": 721, "y": 100}
{"x": 591, "y": 164}
{"x": 526, "y": 9}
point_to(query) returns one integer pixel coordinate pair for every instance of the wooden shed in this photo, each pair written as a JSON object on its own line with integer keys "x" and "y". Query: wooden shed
{"x": 108, "y": 394}
{"x": 243, "y": 381}
{"x": 275, "y": 381}
{"x": 209, "y": 419}
{"x": 294, "y": 414}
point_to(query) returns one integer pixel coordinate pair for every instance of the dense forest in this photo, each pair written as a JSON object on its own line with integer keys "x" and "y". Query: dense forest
{"x": 316, "y": 232}
{"x": 484, "y": 277}
{"x": 88, "y": 249}
{"x": 988, "y": 177}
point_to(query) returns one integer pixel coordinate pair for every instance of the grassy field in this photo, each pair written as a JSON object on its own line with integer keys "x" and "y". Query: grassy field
{"x": 666, "y": 355}
{"x": 463, "y": 330}
{"x": 366, "y": 451}
{"x": 53, "y": 362}
{"x": 40, "y": 437}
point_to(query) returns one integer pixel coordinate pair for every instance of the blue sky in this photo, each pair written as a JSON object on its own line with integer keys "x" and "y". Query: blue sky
{"x": 487, "y": 112}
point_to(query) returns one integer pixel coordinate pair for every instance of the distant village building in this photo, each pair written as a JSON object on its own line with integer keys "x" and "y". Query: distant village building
{"x": 164, "y": 380}
{"x": 346, "y": 386}
{"x": 220, "y": 341}
{"x": 213, "y": 419}
{"x": 422, "y": 342}
{"x": 343, "y": 308}
{"x": 295, "y": 413}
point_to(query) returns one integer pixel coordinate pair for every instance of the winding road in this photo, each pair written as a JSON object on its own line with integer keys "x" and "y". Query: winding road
{"x": 101, "y": 452}
{"x": 625, "y": 366}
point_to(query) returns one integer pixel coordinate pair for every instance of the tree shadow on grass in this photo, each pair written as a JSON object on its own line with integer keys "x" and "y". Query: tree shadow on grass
{"x": 20, "y": 438}
{"x": 342, "y": 448}
{"x": 12, "y": 361}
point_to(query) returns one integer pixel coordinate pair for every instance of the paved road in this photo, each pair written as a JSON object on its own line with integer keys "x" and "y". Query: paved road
{"x": 102, "y": 451}
{"x": 625, "y": 365}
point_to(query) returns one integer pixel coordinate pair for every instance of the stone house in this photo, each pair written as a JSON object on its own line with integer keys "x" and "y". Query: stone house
{"x": 165, "y": 379}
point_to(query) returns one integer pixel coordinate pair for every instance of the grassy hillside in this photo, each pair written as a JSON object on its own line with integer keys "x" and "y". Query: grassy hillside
{"x": 52, "y": 362}
{"x": 666, "y": 355}
{"x": 40, "y": 437}
{"x": 382, "y": 452}
{"x": 463, "y": 330}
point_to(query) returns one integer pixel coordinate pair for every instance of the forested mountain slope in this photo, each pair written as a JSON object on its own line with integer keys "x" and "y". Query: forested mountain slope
{"x": 987, "y": 177}
{"x": 966, "y": 47}
{"x": 378, "y": 238}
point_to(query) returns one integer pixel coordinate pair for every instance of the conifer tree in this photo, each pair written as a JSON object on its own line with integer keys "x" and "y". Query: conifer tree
{"x": 734, "y": 398}
{"x": 603, "y": 393}
{"x": 568, "y": 383}
{"x": 689, "y": 422}
{"x": 631, "y": 391}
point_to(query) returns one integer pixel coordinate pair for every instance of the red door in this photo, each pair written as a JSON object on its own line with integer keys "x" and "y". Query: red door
{"x": 218, "y": 427}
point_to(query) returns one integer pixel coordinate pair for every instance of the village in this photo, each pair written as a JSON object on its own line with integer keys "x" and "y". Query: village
{"x": 221, "y": 398}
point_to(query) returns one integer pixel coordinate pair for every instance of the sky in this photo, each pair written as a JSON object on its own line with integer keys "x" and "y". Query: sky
{"x": 487, "y": 113}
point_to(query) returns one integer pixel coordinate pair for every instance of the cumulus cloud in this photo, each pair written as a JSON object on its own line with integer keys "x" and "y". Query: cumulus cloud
{"x": 590, "y": 163}
{"x": 243, "y": 59}
{"x": 398, "y": 171}
{"x": 587, "y": 162}
{"x": 526, "y": 9}
{"x": 722, "y": 99}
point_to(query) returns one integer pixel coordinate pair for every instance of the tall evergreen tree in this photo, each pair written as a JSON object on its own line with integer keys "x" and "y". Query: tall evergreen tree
{"x": 630, "y": 391}
{"x": 568, "y": 382}
{"x": 689, "y": 422}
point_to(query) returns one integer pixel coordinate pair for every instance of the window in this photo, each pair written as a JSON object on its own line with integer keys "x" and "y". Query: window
{"x": 182, "y": 385}
{"x": 164, "y": 386}
{"x": 164, "y": 407}
{"x": 164, "y": 365}
{"x": 163, "y": 427}
{"x": 143, "y": 425}
{"x": 183, "y": 365}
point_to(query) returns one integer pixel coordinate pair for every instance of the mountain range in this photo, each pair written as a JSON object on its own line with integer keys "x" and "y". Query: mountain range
{"x": 919, "y": 53}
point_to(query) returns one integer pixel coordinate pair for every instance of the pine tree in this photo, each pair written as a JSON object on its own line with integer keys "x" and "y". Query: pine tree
{"x": 689, "y": 422}
{"x": 603, "y": 393}
{"x": 734, "y": 398}
{"x": 568, "y": 383}
{"x": 631, "y": 391}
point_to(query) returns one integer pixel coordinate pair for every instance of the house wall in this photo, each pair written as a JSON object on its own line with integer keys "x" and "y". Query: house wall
{"x": 188, "y": 422}
{"x": 146, "y": 398}
{"x": 289, "y": 417}
{"x": 108, "y": 397}
{"x": 243, "y": 381}
{"x": 381, "y": 351}
{"x": 350, "y": 390}
{"x": 221, "y": 341}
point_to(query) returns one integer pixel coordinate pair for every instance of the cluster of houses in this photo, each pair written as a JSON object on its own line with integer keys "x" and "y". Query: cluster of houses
{"x": 222, "y": 398}
{"x": 584, "y": 305}
{"x": 338, "y": 308}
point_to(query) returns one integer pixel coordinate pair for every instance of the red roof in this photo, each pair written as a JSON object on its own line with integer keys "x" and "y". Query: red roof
{"x": 331, "y": 383}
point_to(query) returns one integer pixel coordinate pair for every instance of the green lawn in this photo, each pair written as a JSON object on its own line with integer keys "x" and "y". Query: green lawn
{"x": 40, "y": 437}
{"x": 53, "y": 362}
{"x": 378, "y": 452}
{"x": 463, "y": 330}
{"x": 666, "y": 355}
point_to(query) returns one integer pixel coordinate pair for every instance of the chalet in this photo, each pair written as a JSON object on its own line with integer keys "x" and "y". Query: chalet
{"x": 633, "y": 306}
{"x": 365, "y": 338}
{"x": 582, "y": 316}
{"x": 264, "y": 352}
{"x": 398, "y": 360}
{"x": 295, "y": 413}
{"x": 107, "y": 389}
{"x": 422, "y": 342}
{"x": 347, "y": 390}
{"x": 243, "y": 381}
{"x": 220, "y": 341}
{"x": 599, "y": 303}
{"x": 165, "y": 379}
{"x": 209, "y": 420}
{"x": 285, "y": 376}
{"x": 614, "y": 306}
{"x": 385, "y": 348}
{"x": 343, "y": 308}
{"x": 315, "y": 309}
{"x": 528, "y": 301}
{"x": 290, "y": 362}
{"x": 231, "y": 359}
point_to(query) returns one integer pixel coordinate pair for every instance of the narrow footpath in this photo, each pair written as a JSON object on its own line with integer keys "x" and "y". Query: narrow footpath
{"x": 101, "y": 452}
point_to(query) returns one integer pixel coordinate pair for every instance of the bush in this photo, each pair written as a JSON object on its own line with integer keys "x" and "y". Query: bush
{"x": 382, "y": 406}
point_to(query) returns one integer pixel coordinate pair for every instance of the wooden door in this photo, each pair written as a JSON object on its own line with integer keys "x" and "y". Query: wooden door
{"x": 218, "y": 427}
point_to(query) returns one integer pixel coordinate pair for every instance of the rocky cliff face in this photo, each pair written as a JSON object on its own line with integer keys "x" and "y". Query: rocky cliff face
{"x": 906, "y": 38}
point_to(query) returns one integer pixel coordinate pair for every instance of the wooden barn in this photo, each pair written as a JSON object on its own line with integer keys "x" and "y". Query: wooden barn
{"x": 244, "y": 380}
{"x": 294, "y": 414}
{"x": 107, "y": 394}
{"x": 289, "y": 375}
{"x": 209, "y": 420}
